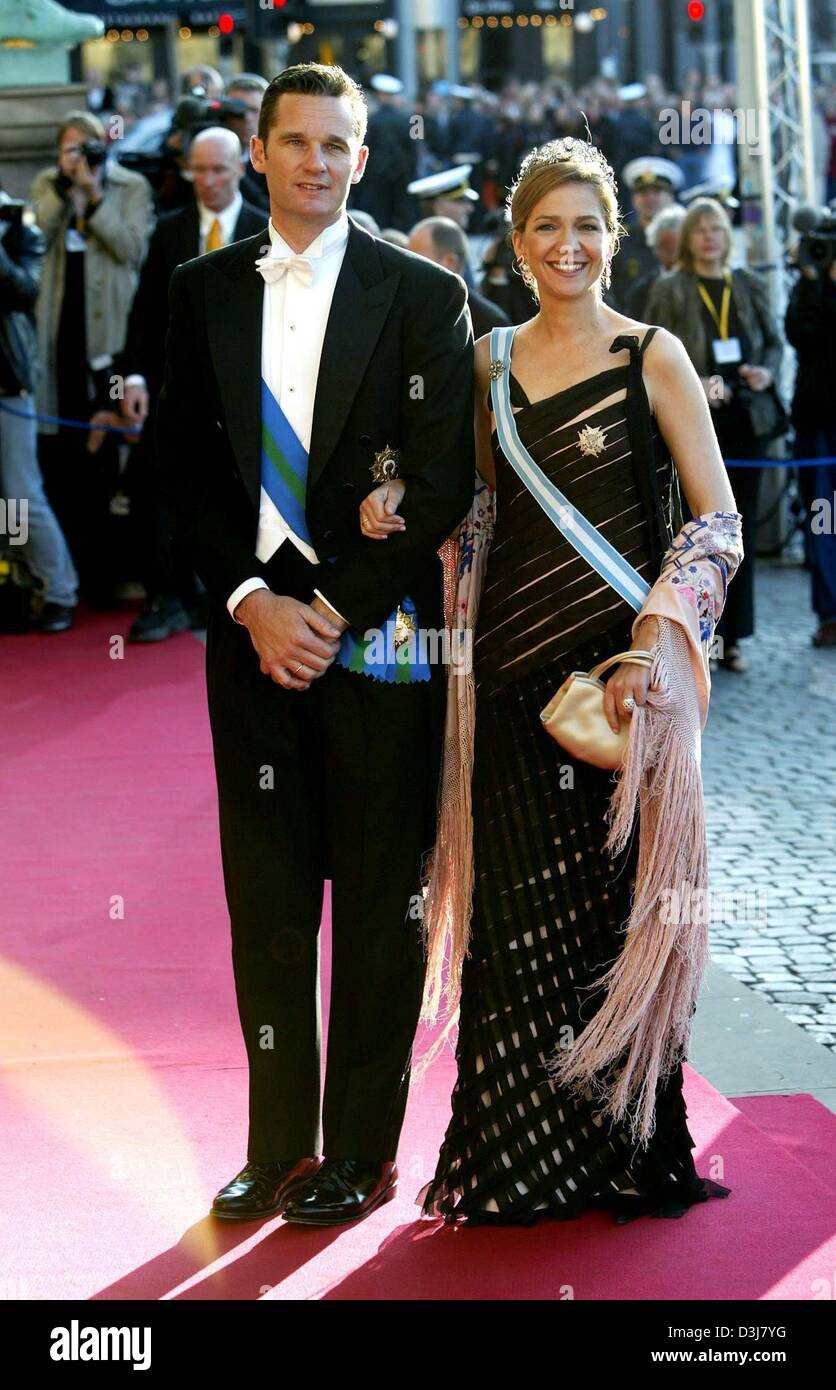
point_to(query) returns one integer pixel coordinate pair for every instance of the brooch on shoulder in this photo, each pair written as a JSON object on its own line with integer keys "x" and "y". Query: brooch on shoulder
{"x": 495, "y": 369}
{"x": 385, "y": 466}
{"x": 592, "y": 440}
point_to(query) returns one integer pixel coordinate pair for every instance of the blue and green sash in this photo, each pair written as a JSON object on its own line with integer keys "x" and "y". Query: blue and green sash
{"x": 392, "y": 653}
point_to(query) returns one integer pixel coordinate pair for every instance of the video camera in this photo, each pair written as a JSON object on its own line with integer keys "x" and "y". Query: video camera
{"x": 192, "y": 114}
{"x": 196, "y": 112}
{"x": 817, "y": 247}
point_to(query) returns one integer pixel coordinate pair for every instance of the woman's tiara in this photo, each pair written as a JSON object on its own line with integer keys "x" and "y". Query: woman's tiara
{"x": 561, "y": 151}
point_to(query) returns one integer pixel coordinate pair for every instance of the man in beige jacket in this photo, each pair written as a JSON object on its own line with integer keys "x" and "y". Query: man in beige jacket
{"x": 96, "y": 218}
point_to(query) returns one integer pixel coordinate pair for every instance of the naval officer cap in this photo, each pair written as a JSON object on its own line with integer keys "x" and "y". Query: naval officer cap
{"x": 390, "y": 86}
{"x": 651, "y": 172}
{"x": 718, "y": 189}
{"x": 448, "y": 183}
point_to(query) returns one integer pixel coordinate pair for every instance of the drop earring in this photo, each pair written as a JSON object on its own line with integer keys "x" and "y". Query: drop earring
{"x": 526, "y": 275}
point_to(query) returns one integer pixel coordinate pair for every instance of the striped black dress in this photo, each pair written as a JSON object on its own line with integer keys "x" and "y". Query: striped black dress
{"x": 550, "y": 904}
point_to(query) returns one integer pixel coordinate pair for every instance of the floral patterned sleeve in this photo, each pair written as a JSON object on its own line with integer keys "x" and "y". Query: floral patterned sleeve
{"x": 702, "y": 559}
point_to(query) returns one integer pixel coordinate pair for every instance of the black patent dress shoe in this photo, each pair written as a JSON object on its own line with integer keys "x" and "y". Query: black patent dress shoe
{"x": 158, "y": 620}
{"x": 262, "y": 1189}
{"x": 343, "y": 1190}
{"x": 55, "y": 617}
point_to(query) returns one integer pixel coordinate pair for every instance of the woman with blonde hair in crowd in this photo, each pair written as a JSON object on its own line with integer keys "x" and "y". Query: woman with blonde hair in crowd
{"x": 722, "y": 317}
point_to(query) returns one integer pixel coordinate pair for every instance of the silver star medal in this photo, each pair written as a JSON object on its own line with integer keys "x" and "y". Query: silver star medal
{"x": 592, "y": 440}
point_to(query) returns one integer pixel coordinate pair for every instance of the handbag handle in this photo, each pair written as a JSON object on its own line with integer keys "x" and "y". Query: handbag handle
{"x": 640, "y": 657}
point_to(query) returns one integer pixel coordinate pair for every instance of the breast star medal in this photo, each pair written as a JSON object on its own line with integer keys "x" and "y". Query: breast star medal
{"x": 592, "y": 440}
{"x": 385, "y": 466}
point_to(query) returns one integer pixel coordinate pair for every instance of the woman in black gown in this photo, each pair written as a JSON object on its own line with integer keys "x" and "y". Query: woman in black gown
{"x": 549, "y": 903}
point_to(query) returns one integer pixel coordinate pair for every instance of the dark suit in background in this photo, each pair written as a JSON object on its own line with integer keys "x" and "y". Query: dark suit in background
{"x": 253, "y": 188}
{"x": 485, "y": 315}
{"x": 391, "y": 166}
{"x": 176, "y": 238}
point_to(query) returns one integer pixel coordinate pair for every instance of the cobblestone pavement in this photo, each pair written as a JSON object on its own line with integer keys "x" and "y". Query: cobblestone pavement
{"x": 769, "y": 770}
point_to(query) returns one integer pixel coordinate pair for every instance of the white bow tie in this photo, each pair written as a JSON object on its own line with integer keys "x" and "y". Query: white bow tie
{"x": 274, "y": 267}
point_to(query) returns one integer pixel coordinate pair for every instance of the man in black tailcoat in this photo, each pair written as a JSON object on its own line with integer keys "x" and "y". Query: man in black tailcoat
{"x": 331, "y": 355}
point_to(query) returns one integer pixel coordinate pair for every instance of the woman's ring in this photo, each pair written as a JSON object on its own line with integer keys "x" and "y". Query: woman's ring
{"x": 298, "y": 668}
{"x": 629, "y": 703}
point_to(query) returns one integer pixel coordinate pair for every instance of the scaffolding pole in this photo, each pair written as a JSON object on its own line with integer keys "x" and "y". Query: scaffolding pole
{"x": 776, "y": 171}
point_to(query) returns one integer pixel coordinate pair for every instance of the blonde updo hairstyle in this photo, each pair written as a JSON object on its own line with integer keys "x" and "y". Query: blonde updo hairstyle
{"x": 549, "y": 166}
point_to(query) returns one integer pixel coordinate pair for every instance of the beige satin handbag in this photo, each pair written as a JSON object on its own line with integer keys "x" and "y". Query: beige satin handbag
{"x": 575, "y": 715}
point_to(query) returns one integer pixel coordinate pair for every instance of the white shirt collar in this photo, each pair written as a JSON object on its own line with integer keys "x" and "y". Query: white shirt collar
{"x": 227, "y": 218}
{"x": 329, "y": 239}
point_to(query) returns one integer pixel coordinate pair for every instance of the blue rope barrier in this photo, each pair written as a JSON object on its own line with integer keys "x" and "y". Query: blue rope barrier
{"x": 70, "y": 424}
{"x": 137, "y": 429}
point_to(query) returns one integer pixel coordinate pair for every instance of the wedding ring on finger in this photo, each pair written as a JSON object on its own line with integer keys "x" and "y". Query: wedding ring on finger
{"x": 629, "y": 703}
{"x": 298, "y": 668}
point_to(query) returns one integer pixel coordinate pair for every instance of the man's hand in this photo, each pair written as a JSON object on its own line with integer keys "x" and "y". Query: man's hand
{"x": 135, "y": 403}
{"x": 295, "y": 645}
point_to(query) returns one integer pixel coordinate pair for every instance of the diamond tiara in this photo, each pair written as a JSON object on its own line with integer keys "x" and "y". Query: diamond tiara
{"x": 567, "y": 148}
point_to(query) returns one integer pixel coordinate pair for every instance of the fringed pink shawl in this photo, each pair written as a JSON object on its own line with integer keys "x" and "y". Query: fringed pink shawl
{"x": 448, "y": 880}
{"x": 644, "y": 1019}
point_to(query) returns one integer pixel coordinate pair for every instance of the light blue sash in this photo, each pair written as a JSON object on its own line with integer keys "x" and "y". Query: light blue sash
{"x": 580, "y": 532}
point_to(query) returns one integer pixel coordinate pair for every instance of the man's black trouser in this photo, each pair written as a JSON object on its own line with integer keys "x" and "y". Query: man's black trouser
{"x": 337, "y": 782}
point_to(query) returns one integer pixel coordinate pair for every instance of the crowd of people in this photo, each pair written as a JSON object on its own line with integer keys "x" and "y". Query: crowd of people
{"x": 496, "y": 129}
{"x": 84, "y": 295}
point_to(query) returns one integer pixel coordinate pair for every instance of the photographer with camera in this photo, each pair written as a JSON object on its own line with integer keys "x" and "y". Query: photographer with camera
{"x": 811, "y": 329}
{"x": 21, "y": 259}
{"x": 96, "y": 218}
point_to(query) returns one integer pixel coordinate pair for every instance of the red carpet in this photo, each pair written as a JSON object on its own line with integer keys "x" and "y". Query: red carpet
{"x": 124, "y": 1087}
